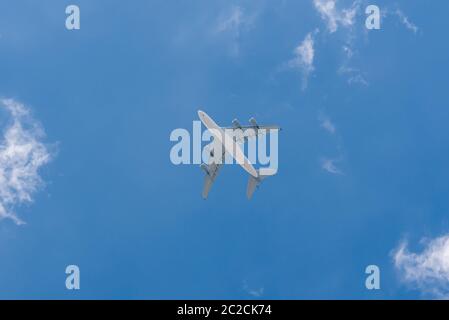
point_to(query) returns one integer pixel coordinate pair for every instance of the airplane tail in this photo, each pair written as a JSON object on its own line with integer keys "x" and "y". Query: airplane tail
{"x": 254, "y": 182}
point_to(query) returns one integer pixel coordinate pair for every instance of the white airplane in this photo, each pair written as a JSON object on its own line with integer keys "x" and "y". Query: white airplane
{"x": 231, "y": 145}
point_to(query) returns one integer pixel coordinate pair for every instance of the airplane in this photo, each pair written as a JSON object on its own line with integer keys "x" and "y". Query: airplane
{"x": 230, "y": 144}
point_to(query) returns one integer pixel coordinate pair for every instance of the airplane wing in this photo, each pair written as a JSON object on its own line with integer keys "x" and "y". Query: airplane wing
{"x": 253, "y": 183}
{"x": 211, "y": 169}
{"x": 211, "y": 174}
{"x": 250, "y": 131}
{"x": 244, "y": 128}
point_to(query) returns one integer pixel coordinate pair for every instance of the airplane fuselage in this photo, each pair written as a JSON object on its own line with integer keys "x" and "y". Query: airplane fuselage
{"x": 228, "y": 143}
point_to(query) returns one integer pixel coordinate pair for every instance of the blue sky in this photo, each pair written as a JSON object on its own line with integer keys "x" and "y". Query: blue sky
{"x": 362, "y": 156}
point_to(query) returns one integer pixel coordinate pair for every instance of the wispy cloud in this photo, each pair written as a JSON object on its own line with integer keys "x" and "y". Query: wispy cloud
{"x": 304, "y": 57}
{"x": 326, "y": 123}
{"x": 353, "y": 75}
{"x": 406, "y": 21}
{"x": 335, "y": 17}
{"x": 232, "y": 22}
{"x": 22, "y": 154}
{"x": 330, "y": 166}
{"x": 427, "y": 271}
{"x": 348, "y": 50}
{"x": 403, "y": 18}
{"x": 358, "y": 79}
{"x": 253, "y": 292}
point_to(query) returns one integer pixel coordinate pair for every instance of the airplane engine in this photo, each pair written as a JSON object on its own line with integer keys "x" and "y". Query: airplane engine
{"x": 205, "y": 167}
{"x": 210, "y": 149}
{"x": 253, "y": 122}
{"x": 236, "y": 124}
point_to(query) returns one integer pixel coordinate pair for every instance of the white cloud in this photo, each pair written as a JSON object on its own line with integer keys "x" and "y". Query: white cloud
{"x": 406, "y": 21}
{"x": 427, "y": 271}
{"x": 253, "y": 292}
{"x": 329, "y": 166}
{"x": 304, "y": 56}
{"x": 354, "y": 76}
{"x": 22, "y": 153}
{"x": 327, "y": 124}
{"x": 231, "y": 23}
{"x": 333, "y": 16}
{"x": 358, "y": 79}
{"x": 349, "y": 52}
